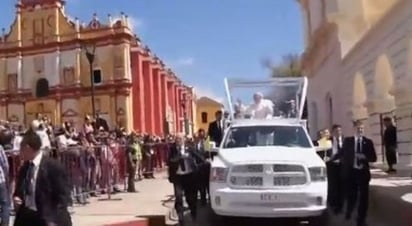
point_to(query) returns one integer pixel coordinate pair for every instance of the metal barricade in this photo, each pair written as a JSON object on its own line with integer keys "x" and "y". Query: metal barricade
{"x": 91, "y": 170}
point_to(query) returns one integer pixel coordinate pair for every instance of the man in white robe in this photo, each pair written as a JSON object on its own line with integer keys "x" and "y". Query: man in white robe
{"x": 38, "y": 127}
{"x": 261, "y": 108}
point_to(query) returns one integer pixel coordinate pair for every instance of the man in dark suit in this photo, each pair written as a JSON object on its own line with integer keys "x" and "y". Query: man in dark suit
{"x": 390, "y": 141}
{"x": 204, "y": 170}
{"x": 42, "y": 192}
{"x": 356, "y": 154}
{"x": 216, "y": 129}
{"x": 183, "y": 171}
{"x": 335, "y": 181}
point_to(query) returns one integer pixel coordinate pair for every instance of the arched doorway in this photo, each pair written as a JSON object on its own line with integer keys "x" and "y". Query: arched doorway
{"x": 359, "y": 98}
{"x": 42, "y": 88}
{"x": 384, "y": 100}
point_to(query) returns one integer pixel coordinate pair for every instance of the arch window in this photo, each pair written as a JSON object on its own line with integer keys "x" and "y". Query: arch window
{"x": 97, "y": 76}
{"x": 42, "y": 88}
{"x": 204, "y": 117}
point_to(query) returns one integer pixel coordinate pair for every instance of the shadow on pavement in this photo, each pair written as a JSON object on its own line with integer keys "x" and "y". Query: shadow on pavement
{"x": 155, "y": 220}
{"x": 206, "y": 217}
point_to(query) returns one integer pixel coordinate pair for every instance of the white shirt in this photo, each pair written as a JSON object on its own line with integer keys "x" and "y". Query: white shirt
{"x": 336, "y": 144}
{"x": 263, "y": 110}
{"x": 187, "y": 170}
{"x": 45, "y": 140}
{"x": 16, "y": 143}
{"x": 264, "y": 139}
{"x": 358, "y": 154}
{"x": 30, "y": 200}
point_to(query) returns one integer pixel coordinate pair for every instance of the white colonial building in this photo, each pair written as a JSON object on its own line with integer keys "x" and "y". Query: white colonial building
{"x": 358, "y": 59}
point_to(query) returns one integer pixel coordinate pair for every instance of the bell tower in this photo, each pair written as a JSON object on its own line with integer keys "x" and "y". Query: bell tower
{"x": 34, "y": 3}
{"x": 38, "y": 21}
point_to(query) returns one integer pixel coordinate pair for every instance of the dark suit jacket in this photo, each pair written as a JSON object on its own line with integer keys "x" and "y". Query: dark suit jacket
{"x": 347, "y": 154}
{"x": 215, "y": 133}
{"x": 52, "y": 192}
{"x": 330, "y": 151}
{"x": 175, "y": 158}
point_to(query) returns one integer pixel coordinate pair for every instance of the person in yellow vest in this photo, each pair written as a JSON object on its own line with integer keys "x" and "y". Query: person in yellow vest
{"x": 324, "y": 143}
{"x": 134, "y": 156}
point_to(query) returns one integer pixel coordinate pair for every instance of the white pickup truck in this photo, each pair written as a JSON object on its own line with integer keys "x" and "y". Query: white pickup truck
{"x": 269, "y": 168}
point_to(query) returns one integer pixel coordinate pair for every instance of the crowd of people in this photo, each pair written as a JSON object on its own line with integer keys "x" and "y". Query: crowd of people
{"x": 348, "y": 161}
{"x": 65, "y": 165}
{"x": 80, "y": 161}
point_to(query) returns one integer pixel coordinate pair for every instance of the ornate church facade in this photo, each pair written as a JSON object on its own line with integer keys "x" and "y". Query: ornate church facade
{"x": 358, "y": 59}
{"x": 43, "y": 69}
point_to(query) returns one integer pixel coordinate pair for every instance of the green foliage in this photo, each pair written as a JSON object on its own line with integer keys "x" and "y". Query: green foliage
{"x": 288, "y": 67}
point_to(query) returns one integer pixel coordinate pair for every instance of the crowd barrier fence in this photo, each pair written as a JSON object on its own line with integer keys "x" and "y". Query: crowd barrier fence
{"x": 92, "y": 170}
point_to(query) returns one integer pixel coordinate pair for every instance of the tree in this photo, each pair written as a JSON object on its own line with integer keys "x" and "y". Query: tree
{"x": 288, "y": 67}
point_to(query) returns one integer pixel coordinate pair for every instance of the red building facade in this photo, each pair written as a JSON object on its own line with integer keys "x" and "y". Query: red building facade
{"x": 162, "y": 104}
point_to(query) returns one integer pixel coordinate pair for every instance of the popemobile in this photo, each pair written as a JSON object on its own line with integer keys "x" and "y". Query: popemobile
{"x": 266, "y": 165}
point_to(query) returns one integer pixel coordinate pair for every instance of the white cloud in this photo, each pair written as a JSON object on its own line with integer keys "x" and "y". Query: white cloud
{"x": 185, "y": 61}
{"x": 205, "y": 92}
{"x": 134, "y": 23}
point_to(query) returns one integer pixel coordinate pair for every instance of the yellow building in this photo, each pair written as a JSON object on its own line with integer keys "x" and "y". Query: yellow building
{"x": 43, "y": 68}
{"x": 205, "y": 112}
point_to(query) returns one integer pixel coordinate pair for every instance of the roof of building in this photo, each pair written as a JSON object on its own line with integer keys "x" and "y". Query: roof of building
{"x": 208, "y": 100}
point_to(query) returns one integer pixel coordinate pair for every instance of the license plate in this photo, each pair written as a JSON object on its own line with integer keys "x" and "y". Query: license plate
{"x": 247, "y": 181}
{"x": 281, "y": 181}
{"x": 268, "y": 197}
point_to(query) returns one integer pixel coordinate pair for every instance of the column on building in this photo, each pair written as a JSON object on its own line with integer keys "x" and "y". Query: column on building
{"x": 171, "y": 96}
{"x": 138, "y": 90}
{"x": 163, "y": 97}
{"x": 373, "y": 128}
{"x": 190, "y": 108}
{"x": 157, "y": 103}
{"x": 148, "y": 95}
{"x": 177, "y": 108}
{"x": 403, "y": 111}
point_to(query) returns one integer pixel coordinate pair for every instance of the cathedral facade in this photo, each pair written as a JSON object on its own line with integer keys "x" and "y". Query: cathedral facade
{"x": 44, "y": 69}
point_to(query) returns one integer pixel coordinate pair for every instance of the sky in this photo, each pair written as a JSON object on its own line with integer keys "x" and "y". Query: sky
{"x": 202, "y": 41}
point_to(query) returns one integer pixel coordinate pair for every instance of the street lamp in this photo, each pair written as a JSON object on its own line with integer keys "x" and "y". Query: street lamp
{"x": 90, "y": 49}
{"x": 184, "y": 107}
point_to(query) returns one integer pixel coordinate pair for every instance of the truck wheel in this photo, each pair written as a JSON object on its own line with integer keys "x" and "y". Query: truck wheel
{"x": 322, "y": 220}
